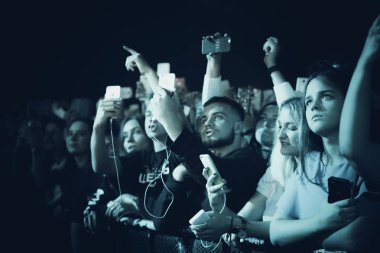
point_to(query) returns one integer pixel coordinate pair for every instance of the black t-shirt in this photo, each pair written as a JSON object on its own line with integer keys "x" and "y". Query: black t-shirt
{"x": 140, "y": 169}
{"x": 241, "y": 168}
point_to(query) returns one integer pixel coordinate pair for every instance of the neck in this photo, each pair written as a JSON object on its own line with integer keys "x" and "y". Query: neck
{"x": 331, "y": 147}
{"x": 82, "y": 160}
{"x": 225, "y": 150}
{"x": 159, "y": 144}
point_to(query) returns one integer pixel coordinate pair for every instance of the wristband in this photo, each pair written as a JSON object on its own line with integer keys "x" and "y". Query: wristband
{"x": 273, "y": 69}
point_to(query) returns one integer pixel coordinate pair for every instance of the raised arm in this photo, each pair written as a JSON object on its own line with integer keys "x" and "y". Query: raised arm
{"x": 354, "y": 134}
{"x": 282, "y": 88}
{"x": 212, "y": 82}
{"x": 101, "y": 162}
{"x": 272, "y": 51}
{"x": 137, "y": 60}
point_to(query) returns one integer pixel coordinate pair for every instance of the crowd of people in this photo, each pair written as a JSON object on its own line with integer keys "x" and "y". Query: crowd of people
{"x": 128, "y": 177}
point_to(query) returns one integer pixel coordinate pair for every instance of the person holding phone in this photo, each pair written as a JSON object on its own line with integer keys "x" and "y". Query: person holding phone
{"x": 220, "y": 130}
{"x": 303, "y": 216}
{"x": 259, "y": 210}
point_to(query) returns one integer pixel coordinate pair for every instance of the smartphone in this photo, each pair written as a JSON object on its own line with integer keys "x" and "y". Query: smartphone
{"x": 339, "y": 189}
{"x": 199, "y": 218}
{"x": 163, "y": 68}
{"x": 116, "y": 92}
{"x": 167, "y": 81}
{"x": 216, "y": 45}
{"x": 301, "y": 84}
{"x": 210, "y": 167}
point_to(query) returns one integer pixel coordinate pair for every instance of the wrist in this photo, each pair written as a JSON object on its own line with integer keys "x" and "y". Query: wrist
{"x": 98, "y": 127}
{"x": 273, "y": 68}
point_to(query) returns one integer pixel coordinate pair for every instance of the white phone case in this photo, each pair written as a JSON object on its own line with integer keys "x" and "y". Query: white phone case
{"x": 112, "y": 92}
{"x": 199, "y": 218}
{"x": 208, "y": 163}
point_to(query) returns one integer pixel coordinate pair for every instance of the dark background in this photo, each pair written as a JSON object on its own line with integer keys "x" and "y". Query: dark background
{"x": 62, "y": 49}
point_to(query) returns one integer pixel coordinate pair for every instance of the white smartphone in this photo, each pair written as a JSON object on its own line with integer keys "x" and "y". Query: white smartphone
{"x": 210, "y": 167}
{"x": 167, "y": 81}
{"x": 301, "y": 84}
{"x": 163, "y": 68}
{"x": 199, "y": 218}
{"x": 116, "y": 92}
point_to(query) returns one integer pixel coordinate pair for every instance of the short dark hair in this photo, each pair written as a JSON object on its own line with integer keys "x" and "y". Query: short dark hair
{"x": 226, "y": 100}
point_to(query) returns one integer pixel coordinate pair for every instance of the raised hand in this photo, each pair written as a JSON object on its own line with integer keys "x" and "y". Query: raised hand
{"x": 107, "y": 108}
{"x": 165, "y": 109}
{"x": 371, "y": 49}
{"x": 272, "y": 50}
{"x": 136, "y": 60}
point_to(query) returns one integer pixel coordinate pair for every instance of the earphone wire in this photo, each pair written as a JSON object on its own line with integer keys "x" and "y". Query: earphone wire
{"x": 114, "y": 159}
{"x": 168, "y": 153}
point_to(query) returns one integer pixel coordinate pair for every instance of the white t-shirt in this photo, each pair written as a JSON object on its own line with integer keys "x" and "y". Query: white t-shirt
{"x": 302, "y": 199}
{"x": 272, "y": 190}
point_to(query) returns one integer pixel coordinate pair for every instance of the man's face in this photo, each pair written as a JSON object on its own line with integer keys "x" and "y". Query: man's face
{"x": 153, "y": 128}
{"x": 217, "y": 125}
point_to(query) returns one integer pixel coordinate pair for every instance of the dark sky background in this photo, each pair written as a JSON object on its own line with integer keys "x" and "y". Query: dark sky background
{"x": 62, "y": 49}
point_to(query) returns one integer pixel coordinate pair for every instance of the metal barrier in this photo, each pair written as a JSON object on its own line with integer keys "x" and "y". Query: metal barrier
{"x": 141, "y": 240}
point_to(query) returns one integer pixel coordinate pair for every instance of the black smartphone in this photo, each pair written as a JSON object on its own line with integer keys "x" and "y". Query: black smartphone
{"x": 216, "y": 45}
{"x": 339, "y": 189}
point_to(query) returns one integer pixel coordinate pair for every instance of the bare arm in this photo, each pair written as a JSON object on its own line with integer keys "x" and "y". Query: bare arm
{"x": 101, "y": 162}
{"x": 137, "y": 60}
{"x": 286, "y": 230}
{"x": 212, "y": 83}
{"x": 354, "y": 132}
{"x": 282, "y": 88}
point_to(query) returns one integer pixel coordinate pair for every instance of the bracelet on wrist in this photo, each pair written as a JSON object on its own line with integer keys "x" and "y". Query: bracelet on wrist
{"x": 273, "y": 69}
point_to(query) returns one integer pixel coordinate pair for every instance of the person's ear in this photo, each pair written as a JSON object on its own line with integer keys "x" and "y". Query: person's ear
{"x": 238, "y": 127}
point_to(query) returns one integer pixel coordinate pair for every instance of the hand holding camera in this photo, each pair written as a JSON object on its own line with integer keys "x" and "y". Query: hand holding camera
{"x": 216, "y": 44}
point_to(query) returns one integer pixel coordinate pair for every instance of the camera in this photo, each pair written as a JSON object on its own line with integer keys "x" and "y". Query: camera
{"x": 216, "y": 44}
{"x": 339, "y": 189}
